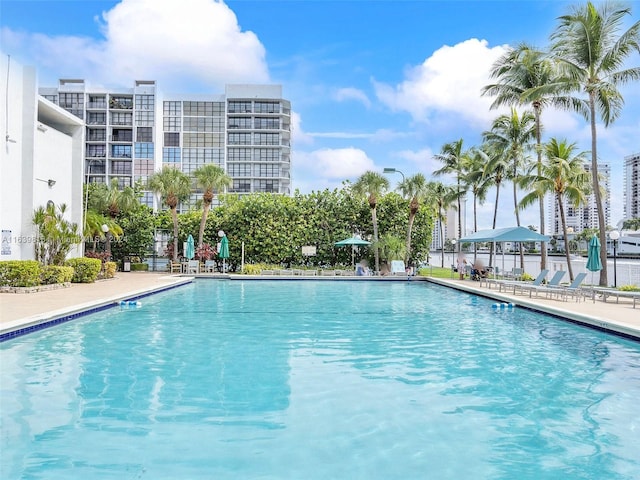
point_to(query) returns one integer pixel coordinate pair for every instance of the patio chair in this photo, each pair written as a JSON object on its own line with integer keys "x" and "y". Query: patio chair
{"x": 209, "y": 266}
{"x": 554, "y": 282}
{"x": 193, "y": 266}
{"x": 175, "y": 267}
{"x": 511, "y": 283}
{"x": 398, "y": 268}
{"x": 564, "y": 291}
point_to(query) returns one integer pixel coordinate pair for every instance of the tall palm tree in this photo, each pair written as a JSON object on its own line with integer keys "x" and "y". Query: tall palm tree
{"x": 564, "y": 175}
{"x": 518, "y": 71}
{"x": 414, "y": 189}
{"x": 591, "y": 53}
{"x": 372, "y": 185}
{"x": 513, "y": 134}
{"x": 174, "y": 187}
{"x": 478, "y": 183}
{"x": 495, "y": 171}
{"x": 453, "y": 158}
{"x": 211, "y": 178}
{"x": 443, "y": 197}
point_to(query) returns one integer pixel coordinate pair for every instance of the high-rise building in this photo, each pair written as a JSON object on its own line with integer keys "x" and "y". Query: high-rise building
{"x": 632, "y": 186}
{"x": 130, "y": 133}
{"x": 586, "y": 215}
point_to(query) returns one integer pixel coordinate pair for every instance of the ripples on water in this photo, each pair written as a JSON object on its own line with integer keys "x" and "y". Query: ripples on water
{"x": 319, "y": 380}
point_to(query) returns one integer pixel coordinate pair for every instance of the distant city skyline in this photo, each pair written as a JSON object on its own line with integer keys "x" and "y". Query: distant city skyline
{"x": 372, "y": 84}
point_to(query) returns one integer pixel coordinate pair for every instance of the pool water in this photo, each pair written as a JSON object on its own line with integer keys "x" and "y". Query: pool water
{"x": 319, "y": 380}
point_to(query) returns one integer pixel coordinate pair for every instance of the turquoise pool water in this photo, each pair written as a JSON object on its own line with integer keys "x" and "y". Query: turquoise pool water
{"x": 319, "y": 380}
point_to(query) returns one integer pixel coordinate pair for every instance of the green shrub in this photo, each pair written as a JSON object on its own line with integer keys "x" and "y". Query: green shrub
{"x": 109, "y": 269}
{"x": 629, "y": 288}
{"x": 139, "y": 267}
{"x": 50, "y": 274}
{"x": 526, "y": 277}
{"x": 20, "y": 273}
{"x": 86, "y": 270}
{"x": 256, "y": 268}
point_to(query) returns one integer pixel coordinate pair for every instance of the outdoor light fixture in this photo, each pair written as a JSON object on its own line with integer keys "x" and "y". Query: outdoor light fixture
{"x": 221, "y": 233}
{"x": 393, "y": 170}
{"x": 49, "y": 182}
{"x": 614, "y": 235}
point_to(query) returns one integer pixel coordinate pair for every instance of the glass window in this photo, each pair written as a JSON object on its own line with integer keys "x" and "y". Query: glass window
{"x": 72, "y": 102}
{"x": 119, "y": 102}
{"x": 120, "y": 167}
{"x": 97, "y": 101}
{"x": 203, "y": 109}
{"x": 121, "y": 135}
{"x": 97, "y": 118}
{"x": 121, "y": 118}
{"x": 267, "y": 107}
{"x": 144, "y": 134}
{"x": 267, "y": 155}
{"x": 95, "y": 167}
{"x": 239, "y": 169}
{"x": 145, "y": 102}
{"x": 171, "y": 139}
{"x": 200, "y": 156}
{"x": 239, "y": 139}
{"x": 240, "y": 122}
{"x": 143, "y": 167}
{"x": 241, "y": 186}
{"x": 239, "y": 106}
{"x": 269, "y": 170}
{"x": 202, "y": 139}
{"x": 121, "y": 151}
{"x": 267, "y": 138}
{"x": 144, "y": 117}
{"x": 96, "y": 151}
{"x": 267, "y": 186}
{"x": 172, "y": 108}
{"x": 203, "y": 124}
{"x": 171, "y": 155}
{"x": 96, "y": 134}
{"x": 144, "y": 150}
{"x": 122, "y": 181}
{"x": 239, "y": 154}
{"x": 269, "y": 123}
{"x": 171, "y": 124}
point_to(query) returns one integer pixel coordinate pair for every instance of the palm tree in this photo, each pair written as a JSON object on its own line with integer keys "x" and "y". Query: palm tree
{"x": 453, "y": 158}
{"x": 372, "y": 185}
{"x": 591, "y": 53}
{"x": 513, "y": 134}
{"x": 413, "y": 188}
{"x": 93, "y": 227}
{"x": 564, "y": 175}
{"x": 174, "y": 187}
{"x": 478, "y": 183}
{"x": 495, "y": 171}
{"x": 211, "y": 178}
{"x": 443, "y": 197}
{"x": 518, "y": 71}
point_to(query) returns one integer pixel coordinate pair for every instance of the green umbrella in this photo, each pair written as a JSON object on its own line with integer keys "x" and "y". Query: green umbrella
{"x": 593, "y": 259}
{"x": 223, "y": 252}
{"x": 190, "y": 251}
{"x": 353, "y": 241}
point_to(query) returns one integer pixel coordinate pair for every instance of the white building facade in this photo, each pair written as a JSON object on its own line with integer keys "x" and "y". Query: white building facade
{"x": 40, "y": 160}
{"x": 632, "y": 186}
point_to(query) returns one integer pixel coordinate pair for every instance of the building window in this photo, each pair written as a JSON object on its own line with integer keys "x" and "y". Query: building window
{"x": 239, "y": 169}
{"x": 171, "y": 155}
{"x": 171, "y": 139}
{"x": 239, "y": 154}
{"x": 241, "y": 186}
{"x": 147, "y": 199}
{"x": 270, "y": 186}
{"x": 97, "y": 118}
{"x": 121, "y": 135}
{"x": 119, "y": 167}
{"x": 73, "y": 102}
{"x": 202, "y": 139}
{"x": 239, "y": 139}
{"x": 267, "y": 139}
{"x": 122, "y": 182}
{"x": 172, "y": 108}
{"x": 171, "y": 124}
{"x": 267, "y": 123}
{"x": 203, "y": 109}
{"x": 267, "y": 107}
{"x": 121, "y": 118}
{"x": 119, "y": 102}
{"x": 144, "y": 117}
{"x": 96, "y": 135}
{"x": 240, "y": 122}
{"x": 267, "y": 155}
{"x": 203, "y": 124}
{"x": 239, "y": 106}
{"x": 98, "y": 151}
{"x": 143, "y": 167}
{"x": 144, "y": 150}
{"x": 144, "y": 134}
{"x": 121, "y": 151}
{"x": 200, "y": 156}
{"x": 97, "y": 101}
{"x": 269, "y": 170}
{"x": 95, "y": 168}
{"x": 145, "y": 102}
{"x": 52, "y": 98}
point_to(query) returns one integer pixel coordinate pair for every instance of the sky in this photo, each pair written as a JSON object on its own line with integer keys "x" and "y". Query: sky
{"x": 373, "y": 84}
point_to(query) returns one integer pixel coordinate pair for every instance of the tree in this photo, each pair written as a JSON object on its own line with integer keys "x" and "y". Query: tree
{"x": 591, "y": 53}
{"x": 414, "y": 189}
{"x": 495, "y": 171}
{"x": 632, "y": 224}
{"x": 453, "y": 158}
{"x": 443, "y": 197}
{"x": 372, "y": 185}
{"x": 55, "y": 236}
{"x": 211, "y": 178}
{"x": 517, "y": 72}
{"x": 174, "y": 187}
{"x": 476, "y": 181}
{"x": 564, "y": 175}
{"x": 513, "y": 134}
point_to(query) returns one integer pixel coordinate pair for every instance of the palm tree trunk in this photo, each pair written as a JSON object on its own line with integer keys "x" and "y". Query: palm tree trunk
{"x": 441, "y": 235}
{"x": 566, "y": 237}
{"x": 475, "y": 227}
{"x": 459, "y": 219}
{"x": 412, "y": 216}
{"x": 517, "y": 210}
{"x": 374, "y": 219}
{"x": 543, "y": 245}
{"x": 495, "y": 216}
{"x": 596, "y": 191}
{"x": 174, "y": 216}
{"x": 203, "y": 223}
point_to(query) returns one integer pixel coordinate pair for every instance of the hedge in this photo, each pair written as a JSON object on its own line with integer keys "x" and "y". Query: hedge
{"x": 50, "y": 274}
{"x": 139, "y": 267}
{"x": 19, "y": 273}
{"x": 86, "y": 269}
{"x": 110, "y": 269}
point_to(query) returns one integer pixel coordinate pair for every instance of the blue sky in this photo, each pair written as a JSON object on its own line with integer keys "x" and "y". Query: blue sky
{"x": 373, "y": 84}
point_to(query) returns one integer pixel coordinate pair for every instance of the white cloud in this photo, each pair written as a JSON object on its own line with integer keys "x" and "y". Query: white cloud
{"x": 350, "y": 93}
{"x": 299, "y": 136}
{"x": 450, "y": 80}
{"x": 192, "y": 41}
{"x": 422, "y": 159}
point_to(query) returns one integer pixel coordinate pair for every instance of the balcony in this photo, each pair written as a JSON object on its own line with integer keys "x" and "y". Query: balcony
{"x": 118, "y": 103}
{"x": 121, "y": 138}
{"x": 96, "y": 105}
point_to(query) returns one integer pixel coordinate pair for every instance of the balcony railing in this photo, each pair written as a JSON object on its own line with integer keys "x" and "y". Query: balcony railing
{"x": 97, "y": 105}
{"x": 121, "y": 138}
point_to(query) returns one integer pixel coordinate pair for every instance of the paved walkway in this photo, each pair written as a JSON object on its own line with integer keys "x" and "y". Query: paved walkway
{"x": 19, "y": 310}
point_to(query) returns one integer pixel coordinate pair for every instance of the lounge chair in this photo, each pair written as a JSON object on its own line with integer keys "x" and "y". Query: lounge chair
{"x": 209, "y": 266}
{"x": 605, "y": 293}
{"x": 572, "y": 289}
{"x": 554, "y": 282}
{"x": 510, "y": 283}
{"x": 398, "y": 268}
{"x": 193, "y": 266}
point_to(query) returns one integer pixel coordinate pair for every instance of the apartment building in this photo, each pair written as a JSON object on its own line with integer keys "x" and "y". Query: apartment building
{"x": 130, "y": 133}
{"x": 632, "y": 186}
{"x": 583, "y": 216}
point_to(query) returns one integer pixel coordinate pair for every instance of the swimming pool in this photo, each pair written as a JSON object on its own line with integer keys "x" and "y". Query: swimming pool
{"x": 316, "y": 380}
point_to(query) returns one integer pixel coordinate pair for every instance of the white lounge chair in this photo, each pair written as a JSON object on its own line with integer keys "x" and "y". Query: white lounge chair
{"x": 554, "y": 282}
{"x": 563, "y": 291}
{"x": 511, "y": 283}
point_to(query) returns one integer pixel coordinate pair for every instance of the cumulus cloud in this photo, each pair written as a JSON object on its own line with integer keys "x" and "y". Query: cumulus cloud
{"x": 422, "y": 160}
{"x": 450, "y": 80}
{"x": 298, "y": 135}
{"x": 349, "y": 93}
{"x": 192, "y": 41}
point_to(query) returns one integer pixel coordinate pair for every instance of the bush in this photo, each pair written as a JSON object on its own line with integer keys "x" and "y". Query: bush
{"x": 86, "y": 270}
{"x": 50, "y": 274}
{"x": 139, "y": 267}
{"x": 20, "y": 273}
{"x": 109, "y": 270}
{"x": 629, "y": 288}
{"x": 526, "y": 277}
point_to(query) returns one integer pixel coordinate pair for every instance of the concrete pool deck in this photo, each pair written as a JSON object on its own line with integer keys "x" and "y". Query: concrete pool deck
{"x": 19, "y": 310}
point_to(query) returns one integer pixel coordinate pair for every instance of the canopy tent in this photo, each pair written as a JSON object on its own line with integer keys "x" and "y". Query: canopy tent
{"x": 509, "y": 234}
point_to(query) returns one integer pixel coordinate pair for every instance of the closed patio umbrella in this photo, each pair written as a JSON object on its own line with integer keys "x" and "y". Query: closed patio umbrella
{"x": 593, "y": 256}
{"x": 223, "y": 252}
{"x": 190, "y": 251}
